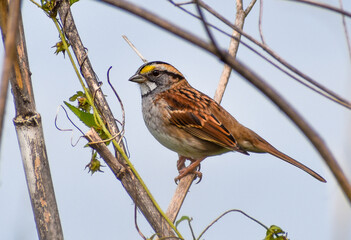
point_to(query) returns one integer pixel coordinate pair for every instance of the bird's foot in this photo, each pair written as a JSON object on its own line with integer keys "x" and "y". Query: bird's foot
{"x": 193, "y": 168}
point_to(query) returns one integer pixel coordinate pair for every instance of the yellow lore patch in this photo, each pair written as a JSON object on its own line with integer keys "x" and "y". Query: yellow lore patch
{"x": 147, "y": 69}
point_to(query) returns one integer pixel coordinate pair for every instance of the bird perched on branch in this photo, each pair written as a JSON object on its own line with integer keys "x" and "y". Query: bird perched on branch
{"x": 192, "y": 124}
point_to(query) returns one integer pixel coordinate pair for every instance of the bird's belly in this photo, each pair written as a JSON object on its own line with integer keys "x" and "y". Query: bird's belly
{"x": 178, "y": 140}
{"x": 187, "y": 145}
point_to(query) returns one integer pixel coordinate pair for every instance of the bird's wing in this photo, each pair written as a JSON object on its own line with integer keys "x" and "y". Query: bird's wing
{"x": 190, "y": 110}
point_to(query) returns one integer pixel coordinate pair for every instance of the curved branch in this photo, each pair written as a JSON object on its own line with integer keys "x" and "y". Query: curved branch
{"x": 307, "y": 82}
{"x": 325, "y": 6}
{"x": 254, "y": 79}
{"x": 322, "y": 90}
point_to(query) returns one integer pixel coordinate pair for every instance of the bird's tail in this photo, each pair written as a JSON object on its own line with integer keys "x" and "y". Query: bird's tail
{"x": 273, "y": 151}
{"x": 292, "y": 161}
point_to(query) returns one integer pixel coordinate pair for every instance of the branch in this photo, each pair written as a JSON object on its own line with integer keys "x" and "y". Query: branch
{"x": 131, "y": 181}
{"x": 179, "y": 196}
{"x": 9, "y": 30}
{"x": 30, "y": 132}
{"x": 345, "y": 30}
{"x": 306, "y": 80}
{"x": 133, "y": 187}
{"x": 185, "y": 183}
{"x": 325, "y": 6}
{"x": 260, "y": 23}
{"x": 254, "y": 79}
{"x": 233, "y": 47}
{"x": 315, "y": 86}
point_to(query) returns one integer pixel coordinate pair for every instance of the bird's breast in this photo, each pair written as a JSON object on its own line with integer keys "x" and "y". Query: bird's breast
{"x": 156, "y": 118}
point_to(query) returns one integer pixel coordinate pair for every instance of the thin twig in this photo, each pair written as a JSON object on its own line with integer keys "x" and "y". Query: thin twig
{"x": 225, "y": 213}
{"x": 260, "y": 22}
{"x": 134, "y": 48}
{"x": 323, "y": 90}
{"x": 306, "y": 80}
{"x": 325, "y": 6}
{"x": 233, "y": 47}
{"x": 120, "y": 103}
{"x": 68, "y": 130}
{"x": 345, "y": 29}
{"x": 208, "y": 31}
{"x": 136, "y": 222}
{"x": 249, "y": 7}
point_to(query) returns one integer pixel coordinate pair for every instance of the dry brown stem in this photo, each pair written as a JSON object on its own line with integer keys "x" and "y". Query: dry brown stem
{"x": 28, "y": 126}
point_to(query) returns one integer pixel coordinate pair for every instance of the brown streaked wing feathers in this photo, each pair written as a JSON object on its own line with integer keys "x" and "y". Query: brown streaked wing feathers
{"x": 183, "y": 114}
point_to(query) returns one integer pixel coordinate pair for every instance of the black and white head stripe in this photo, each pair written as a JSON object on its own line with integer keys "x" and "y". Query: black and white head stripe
{"x": 161, "y": 67}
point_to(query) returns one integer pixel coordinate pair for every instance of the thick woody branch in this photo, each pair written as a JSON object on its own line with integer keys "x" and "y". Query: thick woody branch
{"x": 30, "y": 136}
{"x": 129, "y": 181}
{"x": 254, "y": 79}
{"x": 132, "y": 186}
{"x": 87, "y": 71}
{"x": 9, "y": 23}
{"x": 96, "y": 143}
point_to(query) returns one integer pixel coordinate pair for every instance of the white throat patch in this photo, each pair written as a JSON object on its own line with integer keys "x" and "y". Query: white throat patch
{"x": 147, "y": 87}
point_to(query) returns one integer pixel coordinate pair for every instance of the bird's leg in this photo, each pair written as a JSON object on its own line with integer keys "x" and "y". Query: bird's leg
{"x": 189, "y": 169}
{"x": 181, "y": 163}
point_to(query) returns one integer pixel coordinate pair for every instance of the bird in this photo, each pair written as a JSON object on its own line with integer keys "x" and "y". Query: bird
{"x": 192, "y": 124}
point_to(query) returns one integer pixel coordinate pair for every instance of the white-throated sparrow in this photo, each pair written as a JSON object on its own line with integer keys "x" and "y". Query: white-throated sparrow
{"x": 192, "y": 124}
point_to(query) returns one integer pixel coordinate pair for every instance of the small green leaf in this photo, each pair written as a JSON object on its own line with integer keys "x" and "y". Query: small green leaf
{"x": 75, "y": 96}
{"x": 83, "y": 103}
{"x": 50, "y": 7}
{"x": 275, "y": 233}
{"x": 94, "y": 165}
{"x": 60, "y": 47}
{"x": 71, "y": 2}
{"x": 183, "y": 218}
{"x": 86, "y": 118}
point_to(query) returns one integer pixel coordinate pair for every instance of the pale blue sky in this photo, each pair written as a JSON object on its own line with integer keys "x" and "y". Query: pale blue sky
{"x": 97, "y": 207}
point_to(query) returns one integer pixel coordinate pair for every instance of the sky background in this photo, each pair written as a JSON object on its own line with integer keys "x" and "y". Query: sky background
{"x": 266, "y": 188}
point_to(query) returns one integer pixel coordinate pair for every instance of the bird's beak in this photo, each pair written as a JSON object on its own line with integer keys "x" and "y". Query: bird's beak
{"x": 137, "y": 78}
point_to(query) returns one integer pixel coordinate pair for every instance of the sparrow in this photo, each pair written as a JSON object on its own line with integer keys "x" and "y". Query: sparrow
{"x": 192, "y": 124}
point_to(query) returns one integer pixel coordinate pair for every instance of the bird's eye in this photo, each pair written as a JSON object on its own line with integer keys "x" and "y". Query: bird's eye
{"x": 155, "y": 73}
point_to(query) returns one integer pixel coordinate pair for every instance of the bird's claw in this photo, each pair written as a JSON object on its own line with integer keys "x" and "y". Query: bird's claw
{"x": 193, "y": 168}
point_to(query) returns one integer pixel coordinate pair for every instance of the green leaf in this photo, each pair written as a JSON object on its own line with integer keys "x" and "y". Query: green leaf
{"x": 60, "y": 47}
{"x": 275, "y": 233}
{"x": 94, "y": 165}
{"x": 50, "y": 7}
{"x": 71, "y": 2}
{"x": 75, "y": 96}
{"x": 82, "y": 100}
{"x": 86, "y": 118}
{"x": 183, "y": 218}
